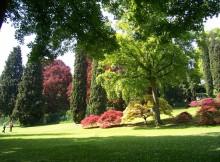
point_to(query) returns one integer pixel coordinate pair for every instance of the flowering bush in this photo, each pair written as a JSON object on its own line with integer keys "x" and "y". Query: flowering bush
{"x": 183, "y": 117}
{"x": 208, "y": 101}
{"x": 195, "y": 104}
{"x": 209, "y": 115}
{"x": 110, "y": 118}
{"x": 91, "y": 121}
{"x": 218, "y": 97}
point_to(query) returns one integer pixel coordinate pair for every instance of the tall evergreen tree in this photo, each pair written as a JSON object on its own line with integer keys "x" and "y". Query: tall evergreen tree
{"x": 214, "y": 54}
{"x": 79, "y": 87}
{"x": 202, "y": 43}
{"x": 98, "y": 97}
{"x": 9, "y": 80}
{"x": 29, "y": 104}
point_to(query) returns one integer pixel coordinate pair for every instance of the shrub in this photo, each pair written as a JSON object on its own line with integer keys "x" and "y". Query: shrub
{"x": 91, "y": 121}
{"x": 208, "y": 115}
{"x": 208, "y": 101}
{"x": 218, "y": 97}
{"x": 52, "y": 118}
{"x": 141, "y": 109}
{"x": 183, "y": 117}
{"x": 195, "y": 104}
{"x": 110, "y": 118}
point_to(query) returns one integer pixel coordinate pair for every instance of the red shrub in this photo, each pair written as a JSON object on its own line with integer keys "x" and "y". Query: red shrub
{"x": 218, "y": 97}
{"x": 90, "y": 121}
{"x": 195, "y": 104}
{"x": 208, "y": 101}
{"x": 183, "y": 117}
{"x": 209, "y": 115}
{"x": 110, "y": 118}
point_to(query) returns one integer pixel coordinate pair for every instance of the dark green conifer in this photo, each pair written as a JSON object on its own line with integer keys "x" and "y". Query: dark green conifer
{"x": 29, "y": 104}
{"x": 79, "y": 87}
{"x": 214, "y": 55}
{"x": 9, "y": 80}
{"x": 98, "y": 98}
{"x": 206, "y": 64}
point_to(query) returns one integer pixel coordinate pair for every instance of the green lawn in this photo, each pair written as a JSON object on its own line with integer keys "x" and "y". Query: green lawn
{"x": 69, "y": 142}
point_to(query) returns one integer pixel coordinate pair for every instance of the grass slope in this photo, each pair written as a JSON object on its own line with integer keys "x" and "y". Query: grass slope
{"x": 69, "y": 142}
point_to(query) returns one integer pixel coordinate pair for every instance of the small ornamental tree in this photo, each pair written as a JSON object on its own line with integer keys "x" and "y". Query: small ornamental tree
{"x": 110, "y": 118}
{"x": 143, "y": 109}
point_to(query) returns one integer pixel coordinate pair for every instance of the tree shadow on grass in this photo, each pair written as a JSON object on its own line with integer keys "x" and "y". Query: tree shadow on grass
{"x": 167, "y": 124}
{"x": 115, "y": 148}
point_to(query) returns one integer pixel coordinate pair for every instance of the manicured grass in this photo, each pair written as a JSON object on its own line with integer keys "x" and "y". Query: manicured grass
{"x": 69, "y": 142}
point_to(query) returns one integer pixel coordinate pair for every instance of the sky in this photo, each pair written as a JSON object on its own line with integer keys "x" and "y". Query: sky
{"x": 8, "y": 41}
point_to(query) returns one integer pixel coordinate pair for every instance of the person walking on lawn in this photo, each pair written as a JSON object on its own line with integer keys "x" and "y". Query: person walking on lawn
{"x": 4, "y": 126}
{"x": 11, "y": 124}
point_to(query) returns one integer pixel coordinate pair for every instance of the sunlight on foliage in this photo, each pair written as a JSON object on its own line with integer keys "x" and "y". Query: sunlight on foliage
{"x": 141, "y": 108}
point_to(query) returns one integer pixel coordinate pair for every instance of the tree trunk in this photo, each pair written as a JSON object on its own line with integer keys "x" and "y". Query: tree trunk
{"x": 156, "y": 102}
{"x": 3, "y": 7}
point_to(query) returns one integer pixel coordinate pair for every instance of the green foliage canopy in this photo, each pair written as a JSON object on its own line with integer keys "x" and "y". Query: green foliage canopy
{"x": 58, "y": 25}
{"x": 147, "y": 62}
{"x": 140, "y": 61}
{"x": 169, "y": 18}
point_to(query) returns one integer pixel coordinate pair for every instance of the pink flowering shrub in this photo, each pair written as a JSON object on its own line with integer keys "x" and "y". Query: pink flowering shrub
{"x": 91, "y": 121}
{"x": 209, "y": 114}
{"x": 183, "y": 117}
{"x": 208, "y": 101}
{"x": 195, "y": 104}
{"x": 218, "y": 97}
{"x": 110, "y": 118}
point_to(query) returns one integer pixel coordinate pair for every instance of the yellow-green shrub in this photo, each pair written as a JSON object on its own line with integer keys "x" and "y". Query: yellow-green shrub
{"x": 141, "y": 108}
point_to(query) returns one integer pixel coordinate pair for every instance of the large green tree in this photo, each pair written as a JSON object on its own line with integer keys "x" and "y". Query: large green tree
{"x": 9, "y": 80}
{"x": 143, "y": 64}
{"x": 164, "y": 17}
{"x": 79, "y": 86}
{"x": 158, "y": 23}
{"x": 59, "y": 24}
{"x": 98, "y": 98}
{"x": 29, "y": 103}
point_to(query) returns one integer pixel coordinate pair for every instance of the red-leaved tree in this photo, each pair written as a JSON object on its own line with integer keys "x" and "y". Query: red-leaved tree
{"x": 57, "y": 78}
{"x": 89, "y": 76}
